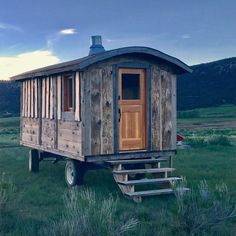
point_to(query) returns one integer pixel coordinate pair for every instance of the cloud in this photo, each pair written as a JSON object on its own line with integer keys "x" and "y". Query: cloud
{"x": 52, "y": 39}
{"x": 68, "y": 31}
{"x": 4, "y": 26}
{"x": 14, "y": 65}
{"x": 185, "y": 36}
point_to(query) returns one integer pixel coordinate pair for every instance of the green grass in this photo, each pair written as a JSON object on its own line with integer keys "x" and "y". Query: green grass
{"x": 38, "y": 198}
{"x": 213, "y": 114}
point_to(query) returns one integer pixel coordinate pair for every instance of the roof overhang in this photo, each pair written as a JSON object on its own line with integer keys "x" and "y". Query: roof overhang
{"x": 82, "y": 63}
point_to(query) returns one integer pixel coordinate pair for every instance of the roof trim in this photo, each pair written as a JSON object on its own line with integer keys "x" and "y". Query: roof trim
{"x": 82, "y": 63}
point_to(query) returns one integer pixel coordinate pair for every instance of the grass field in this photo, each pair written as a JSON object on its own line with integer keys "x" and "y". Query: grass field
{"x": 224, "y": 113}
{"x": 37, "y": 199}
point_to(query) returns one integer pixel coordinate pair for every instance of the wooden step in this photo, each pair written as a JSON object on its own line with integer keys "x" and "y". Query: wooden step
{"x": 140, "y": 171}
{"x": 153, "y": 192}
{"x": 137, "y": 161}
{"x": 149, "y": 181}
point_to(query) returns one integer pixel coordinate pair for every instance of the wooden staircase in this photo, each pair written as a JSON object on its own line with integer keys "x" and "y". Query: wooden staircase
{"x": 156, "y": 178}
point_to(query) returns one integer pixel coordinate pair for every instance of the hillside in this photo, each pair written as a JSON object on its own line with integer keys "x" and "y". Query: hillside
{"x": 9, "y": 97}
{"x": 210, "y": 84}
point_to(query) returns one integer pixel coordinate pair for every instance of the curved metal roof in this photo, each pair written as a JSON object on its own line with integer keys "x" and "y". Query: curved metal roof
{"x": 84, "y": 62}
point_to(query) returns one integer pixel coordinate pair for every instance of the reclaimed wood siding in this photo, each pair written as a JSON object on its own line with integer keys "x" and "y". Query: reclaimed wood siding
{"x": 163, "y": 109}
{"x": 69, "y": 137}
{"x": 97, "y": 110}
{"x": 30, "y": 130}
{"x": 156, "y": 135}
{"x": 174, "y": 111}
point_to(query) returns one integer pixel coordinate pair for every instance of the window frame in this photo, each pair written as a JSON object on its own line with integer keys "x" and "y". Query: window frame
{"x": 65, "y": 83}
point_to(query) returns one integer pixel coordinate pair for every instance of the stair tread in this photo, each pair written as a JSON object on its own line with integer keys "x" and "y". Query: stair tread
{"x": 153, "y": 192}
{"x": 139, "y": 171}
{"x": 137, "y": 161}
{"x": 148, "y": 181}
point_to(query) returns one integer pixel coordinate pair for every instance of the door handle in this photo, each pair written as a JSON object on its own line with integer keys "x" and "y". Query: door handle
{"x": 119, "y": 114}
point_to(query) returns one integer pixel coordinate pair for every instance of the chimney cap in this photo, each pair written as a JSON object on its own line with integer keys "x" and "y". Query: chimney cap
{"x": 96, "y": 45}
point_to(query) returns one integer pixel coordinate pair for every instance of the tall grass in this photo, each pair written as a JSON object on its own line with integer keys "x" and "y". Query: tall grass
{"x": 6, "y": 188}
{"x": 203, "y": 211}
{"x": 86, "y": 215}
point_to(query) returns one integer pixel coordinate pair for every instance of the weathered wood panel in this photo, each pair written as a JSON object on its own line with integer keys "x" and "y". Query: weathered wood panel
{"x": 31, "y": 98}
{"x": 96, "y": 122}
{"x": 23, "y": 99}
{"x": 107, "y": 111}
{"x": 47, "y": 97}
{"x": 43, "y": 97}
{"x": 166, "y": 110}
{"x": 30, "y": 129}
{"x": 155, "y": 107}
{"x": 28, "y": 98}
{"x": 55, "y": 112}
{"x": 173, "y": 112}
{"x": 86, "y": 112}
{"x": 69, "y": 136}
{"x": 51, "y": 97}
{"x": 35, "y": 98}
{"x": 40, "y": 110}
{"x": 77, "y": 96}
{"x": 48, "y": 133}
{"x": 59, "y": 98}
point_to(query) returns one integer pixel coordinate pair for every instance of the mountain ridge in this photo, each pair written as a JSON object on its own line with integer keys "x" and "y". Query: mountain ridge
{"x": 210, "y": 84}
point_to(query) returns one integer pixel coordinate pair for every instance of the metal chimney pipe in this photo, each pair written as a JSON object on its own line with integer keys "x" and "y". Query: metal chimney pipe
{"x": 96, "y": 45}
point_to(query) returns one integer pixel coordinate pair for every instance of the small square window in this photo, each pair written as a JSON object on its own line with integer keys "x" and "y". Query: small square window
{"x": 130, "y": 86}
{"x": 69, "y": 93}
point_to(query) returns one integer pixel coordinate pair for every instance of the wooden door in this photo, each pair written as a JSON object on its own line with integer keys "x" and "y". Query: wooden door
{"x": 132, "y": 109}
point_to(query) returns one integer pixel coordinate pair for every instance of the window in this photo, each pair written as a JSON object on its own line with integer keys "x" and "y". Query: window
{"x": 69, "y": 93}
{"x": 130, "y": 86}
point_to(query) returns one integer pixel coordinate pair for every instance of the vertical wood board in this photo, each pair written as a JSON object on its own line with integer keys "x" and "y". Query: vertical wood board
{"x": 77, "y": 96}
{"x": 59, "y": 96}
{"x": 96, "y": 122}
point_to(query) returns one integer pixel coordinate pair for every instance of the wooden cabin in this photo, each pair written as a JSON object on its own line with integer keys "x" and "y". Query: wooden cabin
{"x": 113, "y": 108}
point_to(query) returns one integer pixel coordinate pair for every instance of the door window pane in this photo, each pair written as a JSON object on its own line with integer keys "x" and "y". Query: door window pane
{"x": 130, "y": 86}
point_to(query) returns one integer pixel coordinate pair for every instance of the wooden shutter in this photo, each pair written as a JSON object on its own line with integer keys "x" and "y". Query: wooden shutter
{"x": 59, "y": 98}
{"x": 77, "y": 97}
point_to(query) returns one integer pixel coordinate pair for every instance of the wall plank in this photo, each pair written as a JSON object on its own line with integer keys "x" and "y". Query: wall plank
{"x": 77, "y": 96}
{"x": 69, "y": 136}
{"x": 51, "y": 95}
{"x": 31, "y": 98}
{"x": 43, "y": 97}
{"x": 96, "y": 122}
{"x": 23, "y": 99}
{"x": 107, "y": 111}
{"x": 155, "y": 107}
{"x": 28, "y": 98}
{"x": 86, "y": 112}
{"x": 59, "y": 96}
{"x": 36, "y": 98}
{"x": 166, "y": 111}
{"x": 173, "y": 112}
{"x": 47, "y": 97}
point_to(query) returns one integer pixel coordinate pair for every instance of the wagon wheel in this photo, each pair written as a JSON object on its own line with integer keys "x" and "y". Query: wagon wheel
{"x": 33, "y": 160}
{"x": 74, "y": 172}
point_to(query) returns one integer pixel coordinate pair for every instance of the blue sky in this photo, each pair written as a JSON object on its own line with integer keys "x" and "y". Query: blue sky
{"x": 42, "y": 32}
